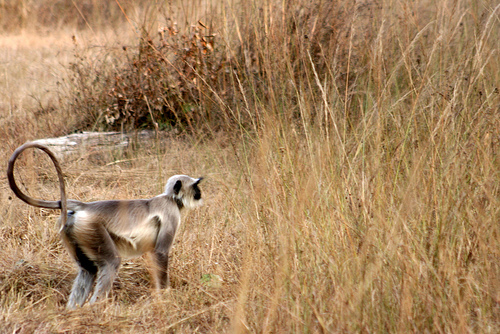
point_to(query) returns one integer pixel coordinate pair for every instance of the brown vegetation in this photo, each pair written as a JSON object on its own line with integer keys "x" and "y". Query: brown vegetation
{"x": 351, "y": 152}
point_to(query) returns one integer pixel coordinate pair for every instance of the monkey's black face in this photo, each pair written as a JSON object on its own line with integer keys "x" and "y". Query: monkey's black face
{"x": 197, "y": 192}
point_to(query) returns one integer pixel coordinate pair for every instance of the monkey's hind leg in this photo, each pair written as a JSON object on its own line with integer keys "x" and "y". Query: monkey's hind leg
{"x": 108, "y": 261}
{"x": 87, "y": 269}
{"x": 81, "y": 287}
{"x": 95, "y": 252}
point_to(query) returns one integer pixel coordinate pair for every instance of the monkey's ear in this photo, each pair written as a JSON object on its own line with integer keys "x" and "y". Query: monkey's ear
{"x": 177, "y": 187}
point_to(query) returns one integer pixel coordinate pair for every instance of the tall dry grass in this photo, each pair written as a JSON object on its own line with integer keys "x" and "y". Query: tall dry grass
{"x": 351, "y": 156}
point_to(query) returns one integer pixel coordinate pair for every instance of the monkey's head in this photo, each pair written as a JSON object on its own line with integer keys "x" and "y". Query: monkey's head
{"x": 184, "y": 190}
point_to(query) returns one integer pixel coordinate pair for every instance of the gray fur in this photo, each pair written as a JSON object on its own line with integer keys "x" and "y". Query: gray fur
{"x": 107, "y": 231}
{"x": 99, "y": 234}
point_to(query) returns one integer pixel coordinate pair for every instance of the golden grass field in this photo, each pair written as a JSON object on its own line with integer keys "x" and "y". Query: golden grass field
{"x": 350, "y": 150}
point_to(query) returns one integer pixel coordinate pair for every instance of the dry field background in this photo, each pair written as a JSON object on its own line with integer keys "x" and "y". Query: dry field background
{"x": 350, "y": 149}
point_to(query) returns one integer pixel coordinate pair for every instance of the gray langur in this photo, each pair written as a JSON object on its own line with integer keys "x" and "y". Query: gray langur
{"x": 98, "y": 234}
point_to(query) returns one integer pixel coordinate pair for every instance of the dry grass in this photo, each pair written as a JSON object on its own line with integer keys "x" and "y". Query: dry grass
{"x": 353, "y": 181}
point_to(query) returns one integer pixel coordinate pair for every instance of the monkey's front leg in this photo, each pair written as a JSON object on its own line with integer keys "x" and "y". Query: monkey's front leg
{"x": 160, "y": 256}
{"x": 161, "y": 269}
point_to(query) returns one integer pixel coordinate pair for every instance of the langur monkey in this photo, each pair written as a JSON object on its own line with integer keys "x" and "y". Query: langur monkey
{"x": 98, "y": 234}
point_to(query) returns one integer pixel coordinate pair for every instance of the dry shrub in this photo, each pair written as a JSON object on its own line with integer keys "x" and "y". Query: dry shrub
{"x": 158, "y": 86}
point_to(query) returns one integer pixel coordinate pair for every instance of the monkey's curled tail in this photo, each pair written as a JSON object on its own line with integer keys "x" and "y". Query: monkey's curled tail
{"x": 62, "y": 204}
